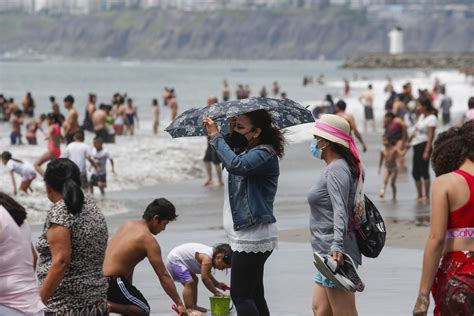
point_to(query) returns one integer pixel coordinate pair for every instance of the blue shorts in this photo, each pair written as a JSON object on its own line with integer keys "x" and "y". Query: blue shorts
{"x": 321, "y": 279}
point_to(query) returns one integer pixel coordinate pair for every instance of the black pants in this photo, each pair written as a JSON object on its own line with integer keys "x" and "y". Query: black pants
{"x": 246, "y": 283}
{"x": 421, "y": 167}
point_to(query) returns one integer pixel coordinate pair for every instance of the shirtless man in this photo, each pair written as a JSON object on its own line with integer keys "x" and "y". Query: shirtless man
{"x": 17, "y": 121}
{"x": 367, "y": 100}
{"x": 340, "y": 110}
{"x": 173, "y": 105}
{"x": 99, "y": 122}
{"x": 132, "y": 242}
{"x": 71, "y": 125}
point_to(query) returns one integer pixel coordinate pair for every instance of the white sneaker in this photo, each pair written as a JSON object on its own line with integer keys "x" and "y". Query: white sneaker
{"x": 349, "y": 271}
{"x": 327, "y": 266}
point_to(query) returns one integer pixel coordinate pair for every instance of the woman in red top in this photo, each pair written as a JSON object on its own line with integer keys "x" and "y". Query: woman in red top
{"x": 451, "y": 237}
{"x": 54, "y": 138}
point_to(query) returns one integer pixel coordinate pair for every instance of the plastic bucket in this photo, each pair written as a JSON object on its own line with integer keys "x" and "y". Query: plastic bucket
{"x": 220, "y": 305}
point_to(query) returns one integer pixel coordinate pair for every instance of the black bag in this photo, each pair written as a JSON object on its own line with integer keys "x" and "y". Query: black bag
{"x": 371, "y": 234}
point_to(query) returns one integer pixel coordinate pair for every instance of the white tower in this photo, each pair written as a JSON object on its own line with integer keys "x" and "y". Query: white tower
{"x": 396, "y": 41}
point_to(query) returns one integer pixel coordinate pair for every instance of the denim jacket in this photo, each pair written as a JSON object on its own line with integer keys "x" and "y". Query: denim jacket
{"x": 253, "y": 182}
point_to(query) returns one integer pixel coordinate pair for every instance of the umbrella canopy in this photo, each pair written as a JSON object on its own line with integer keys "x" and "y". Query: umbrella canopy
{"x": 285, "y": 113}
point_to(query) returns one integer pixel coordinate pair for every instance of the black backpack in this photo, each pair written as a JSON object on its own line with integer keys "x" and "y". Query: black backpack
{"x": 371, "y": 234}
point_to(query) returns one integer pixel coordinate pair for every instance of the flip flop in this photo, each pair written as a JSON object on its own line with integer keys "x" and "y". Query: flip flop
{"x": 327, "y": 266}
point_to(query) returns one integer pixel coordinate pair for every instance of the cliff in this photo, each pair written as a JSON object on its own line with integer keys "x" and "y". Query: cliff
{"x": 300, "y": 34}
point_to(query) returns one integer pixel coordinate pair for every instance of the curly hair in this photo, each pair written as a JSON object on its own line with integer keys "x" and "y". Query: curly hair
{"x": 452, "y": 148}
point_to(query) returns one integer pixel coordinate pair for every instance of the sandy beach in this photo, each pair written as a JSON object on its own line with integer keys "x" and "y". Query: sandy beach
{"x": 391, "y": 280}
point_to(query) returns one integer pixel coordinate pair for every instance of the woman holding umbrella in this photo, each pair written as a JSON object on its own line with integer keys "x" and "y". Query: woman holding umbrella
{"x": 250, "y": 156}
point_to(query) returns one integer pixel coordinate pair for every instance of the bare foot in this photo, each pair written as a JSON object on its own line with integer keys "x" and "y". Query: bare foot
{"x": 382, "y": 193}
{"x": 207, "y": 183}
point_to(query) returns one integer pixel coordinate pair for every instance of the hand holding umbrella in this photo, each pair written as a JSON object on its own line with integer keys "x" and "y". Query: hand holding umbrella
{"x": 211, "y": 126}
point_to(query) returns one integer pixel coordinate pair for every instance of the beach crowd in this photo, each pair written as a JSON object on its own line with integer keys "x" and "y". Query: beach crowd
{"x": 76, "y": 268}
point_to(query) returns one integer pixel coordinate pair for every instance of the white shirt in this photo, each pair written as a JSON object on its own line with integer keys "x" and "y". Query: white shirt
{"x": 78, "y": 152}
{"x": 258, "y": 238}
{"x": 100, "y": 159}
{"x": 186, "y": 255}
{"x": 22, "y": 168}
{"x": 421, "y": 128}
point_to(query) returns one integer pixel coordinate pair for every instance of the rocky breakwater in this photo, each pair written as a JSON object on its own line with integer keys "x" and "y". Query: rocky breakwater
{"x": 412, "y": 60}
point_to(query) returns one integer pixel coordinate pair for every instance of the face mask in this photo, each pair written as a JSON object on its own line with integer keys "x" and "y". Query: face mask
{"x": 238, "y": 140}
{"x": 315, "y": 151}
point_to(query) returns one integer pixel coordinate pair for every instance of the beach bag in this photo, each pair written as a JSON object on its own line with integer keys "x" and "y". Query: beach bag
{"x": 371, "y": 234}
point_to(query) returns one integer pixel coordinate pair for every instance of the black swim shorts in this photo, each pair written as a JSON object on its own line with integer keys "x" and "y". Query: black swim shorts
{"x": 122, "y": 292}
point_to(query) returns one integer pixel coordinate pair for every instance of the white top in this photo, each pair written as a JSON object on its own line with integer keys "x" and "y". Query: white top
{"x": 186, "y": 255}
{"x": 100, "y": 159}
{"x": 258, "y": 238}
{"x": 421, "y": 128}
{"x": 78, "y": 152}
{"x": 18, "y": 287}
{"x": 22, "y": 168}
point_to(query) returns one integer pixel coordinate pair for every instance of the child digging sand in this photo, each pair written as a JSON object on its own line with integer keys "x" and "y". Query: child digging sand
{"x": 187, "y": 260}
{"x": 390, "y": 154}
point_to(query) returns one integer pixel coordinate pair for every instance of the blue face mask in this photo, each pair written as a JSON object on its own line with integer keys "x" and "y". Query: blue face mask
{"x": 315, "y": 151}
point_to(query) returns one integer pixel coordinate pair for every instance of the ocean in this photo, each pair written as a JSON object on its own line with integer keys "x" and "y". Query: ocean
{"x": 146, "y": 159}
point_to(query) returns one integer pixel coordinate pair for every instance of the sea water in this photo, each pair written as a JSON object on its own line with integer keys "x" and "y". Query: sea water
{"x": 147, "y": 159}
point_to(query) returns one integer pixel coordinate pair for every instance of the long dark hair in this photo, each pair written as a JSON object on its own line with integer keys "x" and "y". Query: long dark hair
{"x": 347, "y": 155}
{"x": 63, "y": 176}
{"x": 452, "y": 147}
{"x": 6, "y": 155}
{"x": 270, "y": 134}
{"x": 427, "y": 104}
{"x": 17, "y": 212}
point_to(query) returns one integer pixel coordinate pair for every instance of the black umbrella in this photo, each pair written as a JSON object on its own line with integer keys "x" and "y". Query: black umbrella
{"x": 285, "y": 113}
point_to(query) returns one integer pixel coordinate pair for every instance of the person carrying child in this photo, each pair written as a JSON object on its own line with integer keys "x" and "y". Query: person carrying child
{"x": 389, "y": 155}
{"x": 187, "y": 260}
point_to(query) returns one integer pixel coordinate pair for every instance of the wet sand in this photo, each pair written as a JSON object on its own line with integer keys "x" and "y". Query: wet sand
{"x": 391, "y": 280}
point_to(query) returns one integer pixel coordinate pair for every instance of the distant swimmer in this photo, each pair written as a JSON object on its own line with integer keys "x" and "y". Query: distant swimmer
{"x": 367, "y": 100}
{"x": 99, "y": 122}
{"x": 54, "y": 138}
{"x": 133, "y": 242}
{"x": 130, "y": 117}
{"x": 225, "y": 91}
{"x": 58, "y": 117}
{"x": 90, "y": 109}
{"x": 347, "y": 88}
{"x": 341, "y": 111}
{"x": 155, "y": 115}
{"x": 32, "y": 127}
{"x": 173, "y": 105}
{"x": 28, "y": 104}
{"x": 263, "y": 92}
{"x": 17, "y": 122}
{"x": 71, "y": 125}
{"x": 275, "y": 88}
{"x": 24, "y": 169}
